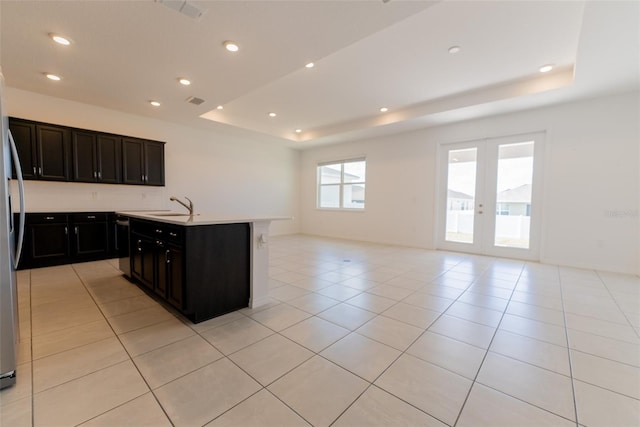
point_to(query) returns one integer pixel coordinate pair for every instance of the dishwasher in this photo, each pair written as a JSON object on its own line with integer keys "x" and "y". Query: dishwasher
{"x": 122, "y": 244}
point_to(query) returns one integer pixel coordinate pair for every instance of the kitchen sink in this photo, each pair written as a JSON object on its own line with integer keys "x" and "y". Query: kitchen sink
{"x": 172, "y": 214}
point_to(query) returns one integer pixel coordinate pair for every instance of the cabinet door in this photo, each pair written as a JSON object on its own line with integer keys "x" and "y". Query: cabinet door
{"x": 161, "y": 259}
{"x": 133, "y": 161}
{"x": 48, "y": 241}
{"x": 109, "y": 148}
{"x": 91, "y": 238}
{"x": 84, "y": 156}
{"x": 154, "y": 163}
{"x": 53, "y": 149}
{"x": 24, "y": 135}
{"x": 175, "y": 286}
{"x": 142, "y": 256}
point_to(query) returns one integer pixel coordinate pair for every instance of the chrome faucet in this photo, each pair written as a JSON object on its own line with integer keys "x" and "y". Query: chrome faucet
{"x": 190, "y": 206}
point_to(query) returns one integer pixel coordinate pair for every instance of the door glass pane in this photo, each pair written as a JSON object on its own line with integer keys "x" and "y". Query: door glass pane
{"x": 461, "y": 190}
{"x": 513, "y": 195}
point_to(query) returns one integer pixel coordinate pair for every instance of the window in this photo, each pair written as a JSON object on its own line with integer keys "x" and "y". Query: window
{"x": 341, "y": 184}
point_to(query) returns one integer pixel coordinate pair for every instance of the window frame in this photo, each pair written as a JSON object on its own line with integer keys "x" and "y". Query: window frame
{"x": 340, "y": 185}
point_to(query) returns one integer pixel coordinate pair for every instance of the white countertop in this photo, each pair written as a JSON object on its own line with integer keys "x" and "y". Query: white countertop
{"x": 197, "y": 219}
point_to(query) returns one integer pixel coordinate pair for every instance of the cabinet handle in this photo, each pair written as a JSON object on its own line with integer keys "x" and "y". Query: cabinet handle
{"x": 75, "y": 229}
{"x": 167, "y": 257}
{"x": 40, "y": 170}
{"x": 95, "y": 174}
{"x": 34, "y": 171}
{"x": 66, "y": 230}
{"x": 91, "y": 217}
{"x": 173, "y": 234}
{"x": 139, "y": 245}
{"x": 158, "y": 231}
{"x": 99, "y": 175}
{"x": 49, "y": 217}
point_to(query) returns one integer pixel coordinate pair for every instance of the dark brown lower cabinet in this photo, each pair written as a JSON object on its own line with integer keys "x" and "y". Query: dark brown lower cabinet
{"x": 64, "y": 238}
{"x": 203, "y": 271}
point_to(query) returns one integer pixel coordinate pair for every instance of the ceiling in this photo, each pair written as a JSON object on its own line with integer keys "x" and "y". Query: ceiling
{"x": 367, "y": 54}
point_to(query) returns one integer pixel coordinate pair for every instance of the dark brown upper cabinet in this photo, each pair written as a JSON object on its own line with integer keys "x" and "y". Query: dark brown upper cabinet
{"x": 24, "y": 135}
{"x": 143, "y": 162}
{"x": 96, "y": 157}
{"x": 59, "y": 153}
{"x": 43, "y": 150}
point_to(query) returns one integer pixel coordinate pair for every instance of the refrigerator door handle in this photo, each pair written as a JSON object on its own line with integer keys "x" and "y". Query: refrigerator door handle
{"x": 16, "y": 163}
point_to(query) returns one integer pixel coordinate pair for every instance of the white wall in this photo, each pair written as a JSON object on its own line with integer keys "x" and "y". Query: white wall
{"x": 222, "y": 172}
{"x": 590, "y": 195}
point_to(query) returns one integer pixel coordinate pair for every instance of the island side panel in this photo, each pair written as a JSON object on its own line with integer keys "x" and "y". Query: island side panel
{"x": 259, "y": 263}
{"x": 217, "y": 269}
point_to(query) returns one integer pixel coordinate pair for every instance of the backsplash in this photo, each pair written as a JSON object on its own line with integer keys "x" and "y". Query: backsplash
{"x": 69, "y": 196}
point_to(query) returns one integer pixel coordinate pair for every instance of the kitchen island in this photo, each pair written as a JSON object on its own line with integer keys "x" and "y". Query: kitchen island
{"x": 203, "y": 265}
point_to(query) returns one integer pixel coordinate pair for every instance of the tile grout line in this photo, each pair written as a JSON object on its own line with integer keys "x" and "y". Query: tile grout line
{"x": 262, "y": 387}
{"x": 333, "y": 363}
{"x": 474, "y": 381}
{"x": 604, "y": 283}
{"x": 126, "y": 351}
{"x": 371, "y": 383}
{"x": 566, "y": 329}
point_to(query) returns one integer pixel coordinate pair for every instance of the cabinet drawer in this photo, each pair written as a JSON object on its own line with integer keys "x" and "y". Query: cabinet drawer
{"x": 90, "y": 217}
{"x": 173, "y": 234}
{"x": 158, "y": 230}
{"x": 142, "y": 227}
{"x": 46, "y": 218}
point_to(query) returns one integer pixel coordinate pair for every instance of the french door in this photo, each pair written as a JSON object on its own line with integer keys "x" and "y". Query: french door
{"x": 489, "y": 198}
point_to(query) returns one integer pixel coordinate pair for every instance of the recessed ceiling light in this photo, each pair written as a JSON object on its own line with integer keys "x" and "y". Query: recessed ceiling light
{"x": 184, "y": 82}
{"x": 454, "y": 49}
{"x": 272, "y": 114}
{"x": 384, "y": 109}
{"x": 310, "y": 65}
{"x": 65, "y": 41}
{"x": 546, "y": 68}
{"x": 298, "y": 130}
{"x": 53, "y": 77}
{"x": 231, "y": 46}
{"x": 219, "y": 107}
{"x": 154, "y": 103}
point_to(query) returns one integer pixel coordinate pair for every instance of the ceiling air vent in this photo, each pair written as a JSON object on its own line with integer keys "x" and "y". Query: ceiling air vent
{"x": 195, "y": 101}
{"x": 183, "y": 7}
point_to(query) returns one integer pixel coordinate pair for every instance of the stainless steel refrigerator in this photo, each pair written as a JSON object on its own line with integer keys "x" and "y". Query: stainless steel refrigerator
{"x": 11, "y": 236}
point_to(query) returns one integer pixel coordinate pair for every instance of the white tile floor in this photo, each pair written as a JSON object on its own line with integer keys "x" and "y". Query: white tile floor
{"x": 354, "y": 335}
